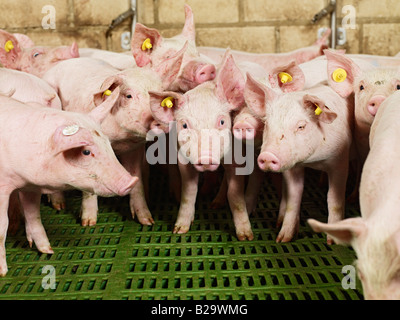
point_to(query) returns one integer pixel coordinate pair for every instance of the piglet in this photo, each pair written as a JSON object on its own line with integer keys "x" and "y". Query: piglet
{"x": 129, "y": 121}
{"x": 269, "y": 61}
{"x": 35, "y": 59}
{"x": 202, "y": 117}
{"x": 25, "y": 87}
{"x": 149, "y": 48}
{"x": 61, "y": 150}
{"x": 370, "y": 87}
{"x": 375, "y": 236}
{"x": 304, "y": 129}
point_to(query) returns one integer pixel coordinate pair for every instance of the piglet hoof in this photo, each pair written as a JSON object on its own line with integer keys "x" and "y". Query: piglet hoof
{"x": 57, "y": 201}
{"x": 144, "y": 218}
{"x": 329, "y": 241}
{"x": 3, "y": 271}
{"x": 89, "y": 218}
{"x": 46, "y": 250}
{"x": 244, "y": 235}
{"x": 181, "y": 229}
{"x": 286, "y": 235}
{"x": 90, "y": 222}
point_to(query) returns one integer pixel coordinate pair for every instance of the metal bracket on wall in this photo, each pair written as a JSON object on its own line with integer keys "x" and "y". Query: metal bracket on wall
{"x": 341, "y": 35}
{"x": 126, "y": 36}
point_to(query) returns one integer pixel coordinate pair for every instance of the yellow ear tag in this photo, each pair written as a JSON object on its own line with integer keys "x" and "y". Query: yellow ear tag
{"x": 285, "y": 77}
{"x": 318, "y": 111}
{"x": 146, "y": 45}
{"x": 9, "y": 46}
{"x": 339, "y": 75}
{"x": 167, "y": 102}
{"x": 107, "y": 93}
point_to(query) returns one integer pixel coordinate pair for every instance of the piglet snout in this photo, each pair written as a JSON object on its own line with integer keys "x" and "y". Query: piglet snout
{"x": 374, "y": 104}
{"x": 207, "y": 163}
{"x": 245, "y": 130}
{"x": 205, "y": 73}
{"x": 269, "y": 162}
{"x": 126, "y": 185}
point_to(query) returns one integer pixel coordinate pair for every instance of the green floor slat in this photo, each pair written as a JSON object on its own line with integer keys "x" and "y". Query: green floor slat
{"x": 120, "y": 259}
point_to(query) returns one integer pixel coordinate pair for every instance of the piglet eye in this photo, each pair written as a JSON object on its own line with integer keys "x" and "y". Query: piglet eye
{"x": 86, "y": 152}
{"x": 222, "y": 122}
{"x": 301, "y": 126}
{"x": 129, "y": 96}
{"x": 184, "y": 126}
{"x": 36, "y": 54}
{"x": 362, "y": 88}
{"x": 398, "y": 87}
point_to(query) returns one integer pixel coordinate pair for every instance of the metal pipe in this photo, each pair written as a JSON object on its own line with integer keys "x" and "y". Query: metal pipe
{"x": 333, "y": 25}
{"x": 134, "y": 20}
{"x": 120, "y": 19}
{"x": 329, "y": 9}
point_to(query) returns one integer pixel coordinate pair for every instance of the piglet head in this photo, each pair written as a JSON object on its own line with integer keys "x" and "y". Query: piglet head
{"x": 35, "y": 60}
{"x": 149, "y": 48}
{"x": 86, "y": 154}
{"x": 370, "y": 87}
{"x": 379, "y": 277}
{"x": 291, "y": 120}
{"x": 203, "y": 116}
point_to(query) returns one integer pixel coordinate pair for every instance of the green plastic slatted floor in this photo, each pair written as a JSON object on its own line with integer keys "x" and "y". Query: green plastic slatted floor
{"x": 120, "y": 259}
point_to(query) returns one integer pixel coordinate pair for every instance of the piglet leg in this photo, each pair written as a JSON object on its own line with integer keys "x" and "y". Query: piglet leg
{"x": 89, "y": 209}
{"x": 237, "y": 203}
{"x": 337, "y": 193}
{"x": 190, "y": 181}
{"x": 4, "y": 199}
{"x": 35, "y": 232}
{"x": 57, "y": 200}
{"x": 289, "y": 211}
{"x": 132, "y": 162}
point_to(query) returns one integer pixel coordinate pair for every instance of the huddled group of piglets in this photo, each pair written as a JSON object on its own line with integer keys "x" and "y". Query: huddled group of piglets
{"x": 80, "y": 119}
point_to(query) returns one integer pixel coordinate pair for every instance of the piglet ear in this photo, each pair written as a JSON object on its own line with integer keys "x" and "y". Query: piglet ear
{"x": 8, "y": 93}
{"x": 320, "y": 111}
{"x": 230, "y": 82}
{"x": 10, "y": 50}
{"x": 169, "y": 69}
{"x": 164, "y": 104}
{"x": 109, "y": 85}
{"x": 23, "y": 40}
{"x": 344, "y": 232}
{"x": 189, "y": 30}
{"x": 258, "y": 96}
{"x": 144, "y": 42}
{"x": 70, "y": 137}
{"x": 287, "y": 77}
{"x": 99, "y": 113}
{"x": 341, "y": 72}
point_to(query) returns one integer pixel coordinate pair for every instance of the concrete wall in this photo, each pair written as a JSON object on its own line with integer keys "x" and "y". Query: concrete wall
{"x": 250, "y": 25}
